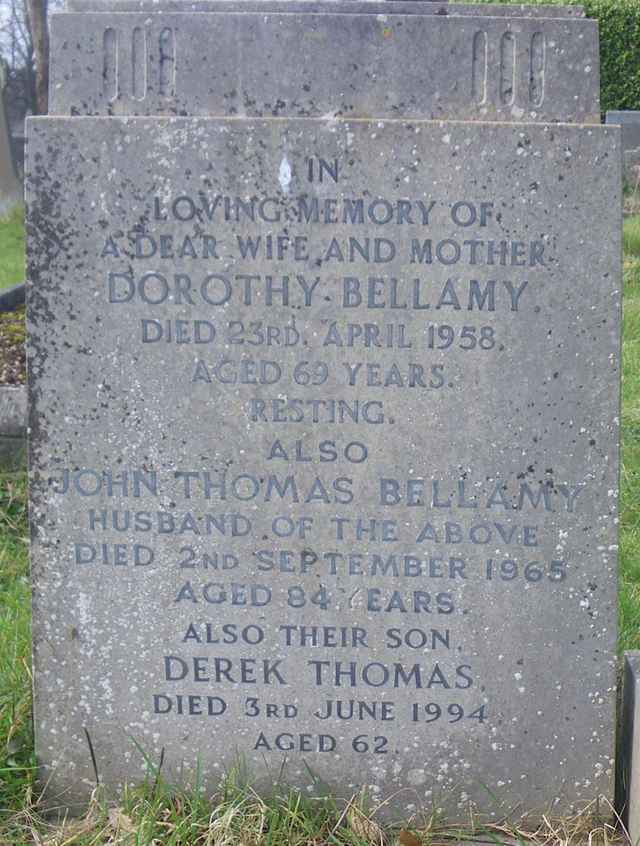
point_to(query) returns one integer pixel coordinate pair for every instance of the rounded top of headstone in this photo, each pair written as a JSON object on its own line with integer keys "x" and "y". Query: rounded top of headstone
{"x": 405, "y": 7}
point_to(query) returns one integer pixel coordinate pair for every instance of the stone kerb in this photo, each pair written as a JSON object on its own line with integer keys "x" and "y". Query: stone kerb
{"x": 13, "y": 426}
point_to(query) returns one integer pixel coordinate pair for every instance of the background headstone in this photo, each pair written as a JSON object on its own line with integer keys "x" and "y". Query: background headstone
{"x": 630, "y": 123}
{"x": 10, "y": 186}
{"x": 630, "y": 745}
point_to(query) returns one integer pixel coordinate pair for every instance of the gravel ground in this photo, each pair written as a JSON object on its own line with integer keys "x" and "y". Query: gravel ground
{"x": 12, "y": 354}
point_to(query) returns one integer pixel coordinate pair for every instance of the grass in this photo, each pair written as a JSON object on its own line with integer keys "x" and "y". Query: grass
{"x": 16, "y": 752}
{"x": 155, "y": 814}
{"x": 629, "y": 597}
{"x": 12, "y": 248}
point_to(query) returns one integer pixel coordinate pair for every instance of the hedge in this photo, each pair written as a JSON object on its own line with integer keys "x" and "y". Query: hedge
{"x": 619, "y": 22}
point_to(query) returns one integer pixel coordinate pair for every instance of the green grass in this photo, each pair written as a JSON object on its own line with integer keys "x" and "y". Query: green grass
{"x": 631, "y": 237}
{"x": 16, "y": 749}
{"x": 156, "y": 814}
{"x": 12, "y": 248}
{"x": 629, "y": 637}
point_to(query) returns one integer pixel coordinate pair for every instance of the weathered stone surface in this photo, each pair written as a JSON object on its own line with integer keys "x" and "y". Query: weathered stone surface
{"x": 387, "y": 65}
{"x": 453, "y": 551}
{"x": 404, "y": 7}
{"x": 630, "y": 745}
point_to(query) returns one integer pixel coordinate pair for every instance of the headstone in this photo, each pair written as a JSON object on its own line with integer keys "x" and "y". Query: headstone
{"x": 10, "y": 186}
{"x": 630, "y": 123}
{"x": 405, "y": 7}
{"x": 324, "y": 413}
{"x": 385, "y": 61}
{"x": 630, "y": 746}
{"x": 631, "y": 167}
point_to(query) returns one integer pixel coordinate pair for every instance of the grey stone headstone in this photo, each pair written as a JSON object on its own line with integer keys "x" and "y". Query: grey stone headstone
{"x": 630, "y": 746}
{"x": 630, "y": 123}
{"x": 377, "y": 473}
{"x": 377, "y": 63}
{"x": 631, "y": 159}
{"x": 10, "y": 186}
{"x": 405, "y": 7}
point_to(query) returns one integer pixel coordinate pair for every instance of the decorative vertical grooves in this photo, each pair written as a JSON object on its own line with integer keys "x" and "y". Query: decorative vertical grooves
{"x": 479, "y": 68}
{"x": 166, "y": 87}
{"x": 110, "y": 64}
{"x": 139, "y": 63}
{"x": 507, "y": 69}
{"x": 536, "y": 72}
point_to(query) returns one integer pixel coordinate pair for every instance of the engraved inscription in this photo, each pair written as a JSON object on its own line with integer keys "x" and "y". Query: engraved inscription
{"x": 507, "y": 69}
{"x": 167, "y": 71}
{"x": 479, "y": 68}
{"x": 110, "y": 64}
{"x": 537, "y": 68}
{"x": 139, "y": 63}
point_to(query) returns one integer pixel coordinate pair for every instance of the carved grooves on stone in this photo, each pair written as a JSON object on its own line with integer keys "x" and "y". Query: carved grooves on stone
{"x": 537, "y": 67}
{"x": 167, "y": 44}
{"x": 507, "y": 69}
{"x": 110, "y": 64}
{"x": 138, "y": 63}
{"x": 479, "y": 68}
{"x": 136, "y": 85}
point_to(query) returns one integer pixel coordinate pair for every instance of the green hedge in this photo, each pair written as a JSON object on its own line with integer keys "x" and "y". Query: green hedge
{"x": 619, "y": 22}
